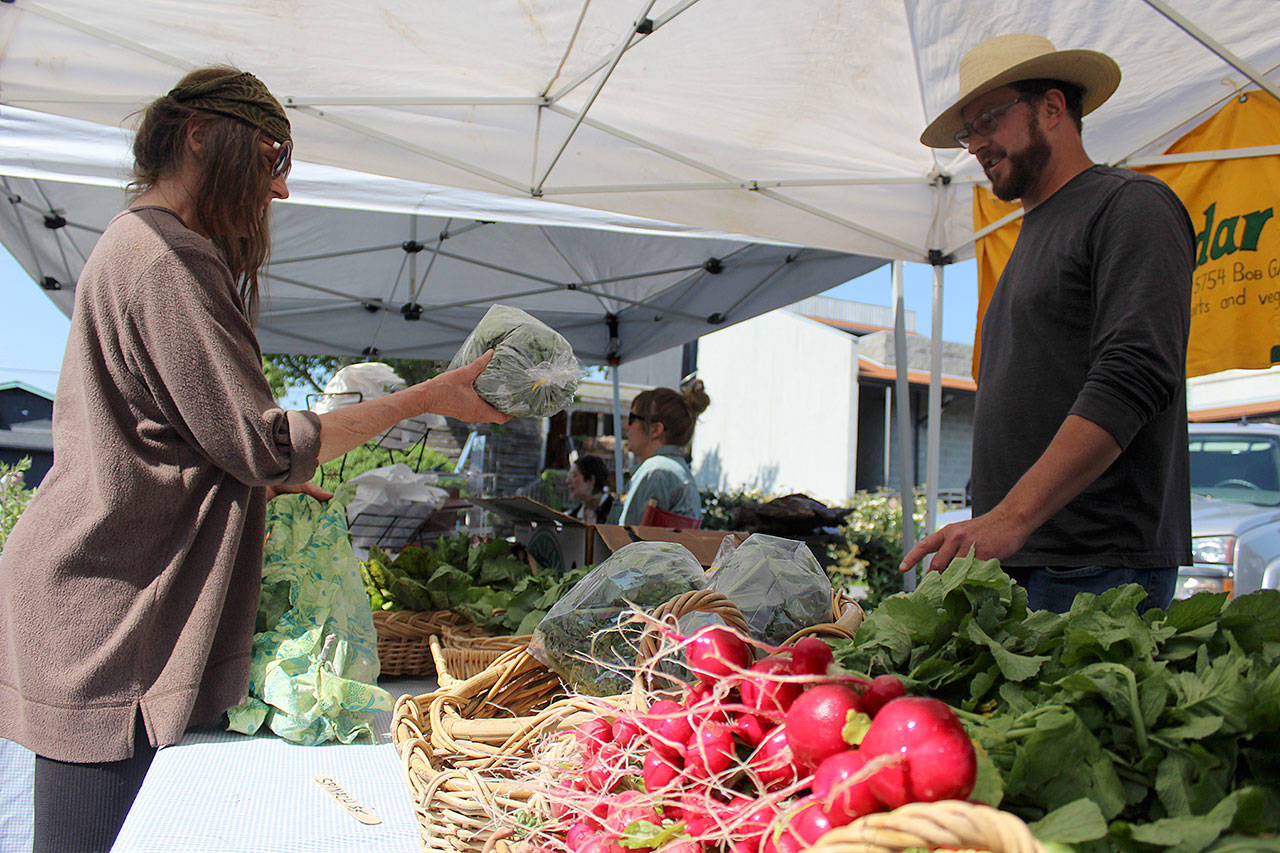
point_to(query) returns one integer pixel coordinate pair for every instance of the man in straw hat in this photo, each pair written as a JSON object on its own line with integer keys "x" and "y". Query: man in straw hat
{"x": 1080, "y": 468}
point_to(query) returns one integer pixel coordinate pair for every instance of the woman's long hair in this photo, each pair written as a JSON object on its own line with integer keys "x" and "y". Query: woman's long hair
{"x": 235, "y": 179}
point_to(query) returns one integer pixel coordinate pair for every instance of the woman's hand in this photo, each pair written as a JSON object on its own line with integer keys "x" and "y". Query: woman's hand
{"x": 457, "y": 397}
{"x": 301, "y": 489}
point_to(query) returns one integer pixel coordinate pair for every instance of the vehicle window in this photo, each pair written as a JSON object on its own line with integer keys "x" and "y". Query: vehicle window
{"x": 1236, "y": 467}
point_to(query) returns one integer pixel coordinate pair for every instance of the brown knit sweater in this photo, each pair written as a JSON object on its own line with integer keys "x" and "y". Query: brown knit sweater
{"x": 132, "y": 578}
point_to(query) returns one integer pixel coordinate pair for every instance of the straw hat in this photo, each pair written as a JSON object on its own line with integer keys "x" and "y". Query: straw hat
{"x": 1007, "y": 59}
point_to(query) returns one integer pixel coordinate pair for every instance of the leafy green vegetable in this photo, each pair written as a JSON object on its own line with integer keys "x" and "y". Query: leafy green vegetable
{"x": 534, "y": 372}
{"x": 484, "y": 582}
{"x": 1166, "y": 724}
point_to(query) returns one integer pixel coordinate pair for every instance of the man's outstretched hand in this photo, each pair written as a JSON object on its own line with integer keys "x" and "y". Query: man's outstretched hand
{"x": 991, "y": 536}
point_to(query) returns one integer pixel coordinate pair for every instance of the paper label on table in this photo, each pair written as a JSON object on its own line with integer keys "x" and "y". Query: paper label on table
{"x": 353, "y": 806}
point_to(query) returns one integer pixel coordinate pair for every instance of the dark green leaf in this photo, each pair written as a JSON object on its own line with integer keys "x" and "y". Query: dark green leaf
{"x": 1079, "y": 820}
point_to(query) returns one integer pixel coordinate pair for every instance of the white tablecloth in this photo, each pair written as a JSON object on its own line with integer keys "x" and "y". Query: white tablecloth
{"x": 221, "y": 791}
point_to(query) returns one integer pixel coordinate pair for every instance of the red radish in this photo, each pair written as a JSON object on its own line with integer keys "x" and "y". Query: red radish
{"x": 811, "y": 656}
{"x": 772, "y": 762}
{"x": 697, "y": 692}
{"x": 667, "y": 725}
{"x": 659, "y": 771}
{"x": 716, "y": 651}
{"x": 683, "y": 845}
{"x": 593, "y": 734}
{"x": 762, "y": 689}
{"x": 816, "y": 721}
{"x": 598, "y": 843}
{"x": 579, "y": 834}
{"x": 625, "y": 731}
{"x": 844, "y": 800}
{"x": 806, "y": 821}
{"x": 937, "y": 761}
{"x": 750, "y": 728}
{"x": 882, "y": 690}
{"x": 602, "y": 772}
{"x": 628, "y": 807}
{"x": 707, "y": 711}
{"x": 709, "y": 751}
{"x": 748, "y": 820}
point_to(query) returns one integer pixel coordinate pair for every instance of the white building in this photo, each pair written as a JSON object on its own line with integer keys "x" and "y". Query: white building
{"x": 801, "y": 401}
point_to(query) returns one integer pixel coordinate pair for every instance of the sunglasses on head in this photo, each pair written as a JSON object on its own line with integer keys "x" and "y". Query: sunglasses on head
{"x": 284, "y": 158}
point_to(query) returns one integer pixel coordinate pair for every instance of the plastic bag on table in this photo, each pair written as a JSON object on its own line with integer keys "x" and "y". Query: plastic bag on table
{"x": 313, "y": 676}
{"x": 534, "y": 372}
{"x": 585, "y": 636}
{"x": 776, "y": 583}
{"x": 369, "y": 380}
{"x": 388, "y": 496}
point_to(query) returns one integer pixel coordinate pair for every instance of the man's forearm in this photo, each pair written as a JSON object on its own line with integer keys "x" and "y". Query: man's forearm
{"x": 1078, "y": 454}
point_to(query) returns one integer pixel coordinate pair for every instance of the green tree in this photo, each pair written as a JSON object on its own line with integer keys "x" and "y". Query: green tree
{"x": 872, "y": 547}
{"x": 308, "y": 373}
{"x": 14, "y": 496}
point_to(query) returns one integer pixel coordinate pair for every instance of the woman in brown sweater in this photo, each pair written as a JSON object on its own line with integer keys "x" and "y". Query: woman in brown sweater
{"x": 129, "y": 587}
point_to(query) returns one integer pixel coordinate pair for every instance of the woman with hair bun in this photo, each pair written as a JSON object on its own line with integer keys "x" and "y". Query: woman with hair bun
{"x": 129, "y": 587}
{"x": 659, "y": 427}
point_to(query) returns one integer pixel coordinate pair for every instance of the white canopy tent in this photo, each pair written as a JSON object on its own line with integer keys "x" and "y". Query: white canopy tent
{"x": 794, "y": 121}
{"x": 372, "y": 266}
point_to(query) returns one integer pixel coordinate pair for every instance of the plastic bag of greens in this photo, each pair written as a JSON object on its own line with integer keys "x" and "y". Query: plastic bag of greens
{"x": 314, "y": 669}
{"x": 776, "y": 583}
{"x": 533, "y": 372}
{"x": 587, "y": 636}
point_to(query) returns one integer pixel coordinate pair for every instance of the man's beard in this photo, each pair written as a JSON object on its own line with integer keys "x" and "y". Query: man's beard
{"x": 1025, "y": 166}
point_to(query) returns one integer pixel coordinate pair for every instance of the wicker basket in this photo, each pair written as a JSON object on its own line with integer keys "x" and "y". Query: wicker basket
{"x": 464, "y": 748}
{"x": 402, "y": 638}
{"x": 463, "y": 654}
{"x": 949, "y": 823}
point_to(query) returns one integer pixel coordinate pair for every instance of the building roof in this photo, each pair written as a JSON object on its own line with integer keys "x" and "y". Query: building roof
{"x": 868, "y": 369}
{"x": 22, "y": 386}
{"x": 1235, "y": 412}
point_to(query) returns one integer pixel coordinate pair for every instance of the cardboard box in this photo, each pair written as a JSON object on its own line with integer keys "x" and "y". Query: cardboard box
{"x": 704, "y": 544}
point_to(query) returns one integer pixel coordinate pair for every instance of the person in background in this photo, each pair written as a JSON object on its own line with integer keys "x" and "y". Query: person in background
{"x": 129, "y": 587}
{"x": 589, "y": 486}
{"x": 659, "y": 427}
{"x": 1080, "y": 462}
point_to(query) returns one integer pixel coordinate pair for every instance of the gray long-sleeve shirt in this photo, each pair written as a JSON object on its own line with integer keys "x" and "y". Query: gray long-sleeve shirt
{"x": 1091, "y": 317}
{"x": 132, "y": 578}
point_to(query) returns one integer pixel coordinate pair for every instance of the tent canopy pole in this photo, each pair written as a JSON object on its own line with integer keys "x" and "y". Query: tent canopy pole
{"x": 902, "y": 394}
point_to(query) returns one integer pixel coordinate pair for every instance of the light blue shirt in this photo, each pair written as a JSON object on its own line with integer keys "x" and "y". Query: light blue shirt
{"x": 666, "y": 478}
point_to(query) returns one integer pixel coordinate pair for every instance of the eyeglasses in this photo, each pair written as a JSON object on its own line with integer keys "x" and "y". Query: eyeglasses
{"x": 284, "y": 157}
{"x": 632, "y": 417}
{"x": 985, "y": 122}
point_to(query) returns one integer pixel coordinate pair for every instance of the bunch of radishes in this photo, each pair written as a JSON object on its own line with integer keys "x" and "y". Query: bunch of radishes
{"x": 756, "y": 757}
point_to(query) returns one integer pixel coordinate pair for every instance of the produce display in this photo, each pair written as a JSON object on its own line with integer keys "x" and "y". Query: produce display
{"x": 1104, "y": 729}
{"x": 534, "y": 372}
{"x": 753, "y": 756}
{"x": 483, "y": 581}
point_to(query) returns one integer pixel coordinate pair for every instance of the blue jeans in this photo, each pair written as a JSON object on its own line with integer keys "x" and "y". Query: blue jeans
{"x": 1054, "y": 587}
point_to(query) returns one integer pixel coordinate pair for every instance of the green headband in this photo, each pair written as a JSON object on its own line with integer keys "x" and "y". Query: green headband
{"x": 240, "y": 96}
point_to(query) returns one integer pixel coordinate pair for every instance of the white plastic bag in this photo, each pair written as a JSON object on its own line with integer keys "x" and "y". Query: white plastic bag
{"x": 369, "y": 380}
{"x": 390, "y": 504}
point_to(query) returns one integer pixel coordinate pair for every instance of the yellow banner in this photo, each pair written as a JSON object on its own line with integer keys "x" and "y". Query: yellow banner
{"x": 1235, "y": 305}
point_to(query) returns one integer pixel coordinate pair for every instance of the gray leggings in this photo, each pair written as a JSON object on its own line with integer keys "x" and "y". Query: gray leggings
{"x": 79, "y": 808}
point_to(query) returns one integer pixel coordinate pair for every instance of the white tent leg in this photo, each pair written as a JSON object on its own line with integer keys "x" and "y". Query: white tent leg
{"x": 933, "y": 460}
{"x": 617, "y": 433}
{"x": 902, "y": 392}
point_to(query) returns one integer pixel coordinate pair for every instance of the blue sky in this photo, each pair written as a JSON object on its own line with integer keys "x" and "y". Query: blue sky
{"x": 33, "y": 332}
